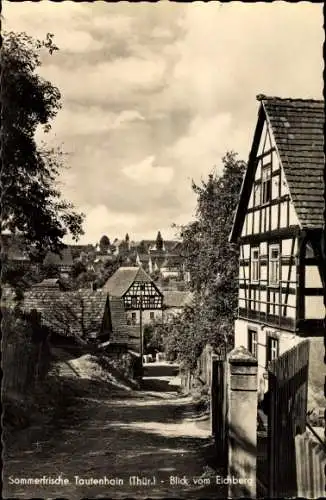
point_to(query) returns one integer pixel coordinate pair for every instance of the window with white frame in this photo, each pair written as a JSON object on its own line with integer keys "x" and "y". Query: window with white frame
{"x": 266, "y": 184}
{"x": 274, "y": 265}
{"x": 272, "y": 349}
{"x": 255, "y": 265}
{"x": 252, "y": 341}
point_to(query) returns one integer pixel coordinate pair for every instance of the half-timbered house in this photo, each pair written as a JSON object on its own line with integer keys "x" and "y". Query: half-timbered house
{"x": 279, "y": 224}
{"x": 143, "y": 301}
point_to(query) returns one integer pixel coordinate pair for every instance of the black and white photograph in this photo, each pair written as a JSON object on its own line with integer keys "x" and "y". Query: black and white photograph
{"x": 163, "y": 250}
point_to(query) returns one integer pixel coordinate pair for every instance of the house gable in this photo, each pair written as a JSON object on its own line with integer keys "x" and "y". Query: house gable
{"x": 289, "y": 135}
{"x": 278, "y": 221}
{"x": 270, "y": 206}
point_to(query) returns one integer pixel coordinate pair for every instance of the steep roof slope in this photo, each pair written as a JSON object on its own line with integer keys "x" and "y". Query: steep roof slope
{"x": 298, "y": 128}
{"x": 118, "y": 284}
{"x": 118, "y": 320}
{"x": 78, "y": 313}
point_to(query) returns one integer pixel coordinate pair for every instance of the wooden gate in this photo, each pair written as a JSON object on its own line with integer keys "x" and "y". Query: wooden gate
{"x": 219, "y": 407}
{"x": 287, "y": 389}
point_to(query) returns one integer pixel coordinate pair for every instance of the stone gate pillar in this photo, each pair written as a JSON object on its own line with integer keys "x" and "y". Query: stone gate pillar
{"x": 242, "y": 423}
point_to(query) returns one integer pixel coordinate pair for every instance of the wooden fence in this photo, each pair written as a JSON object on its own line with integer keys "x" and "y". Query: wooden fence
{"x": 187, "y": 380}
{"x": 204, "y": 366}
{"x": 287, "y": 413}
{"x": 310, "y": 466}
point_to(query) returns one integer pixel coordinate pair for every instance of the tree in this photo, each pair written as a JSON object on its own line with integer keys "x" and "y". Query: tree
{"x": 159, "y": 241}
{"x": 85, "y": 279}
{"x": 142, "y": 248}
{"x": 77, "y": 269}
{"x": 153, "y": 337}
{"x": 213, "y": 265}
{"x": 31, "y": 203}
{"x": 104, "y": 244}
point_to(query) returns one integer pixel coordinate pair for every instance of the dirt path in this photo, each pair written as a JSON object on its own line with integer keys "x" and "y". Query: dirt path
{"x": 151, "y": 434}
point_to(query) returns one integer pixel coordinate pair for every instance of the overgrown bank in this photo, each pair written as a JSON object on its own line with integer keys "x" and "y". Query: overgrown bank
{"x": 42, "y": 384}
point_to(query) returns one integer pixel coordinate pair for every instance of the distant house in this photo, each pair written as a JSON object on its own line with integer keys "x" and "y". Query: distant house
{"x": 63, "y": 261}
{"x": 122, "y": 247}
{"x": 79, "y": 317}
{"x": 138, "y": 290}
{"x": 172, "y": 266}
{"x": 174, "y": 303}
{"x": 150, "y": 246}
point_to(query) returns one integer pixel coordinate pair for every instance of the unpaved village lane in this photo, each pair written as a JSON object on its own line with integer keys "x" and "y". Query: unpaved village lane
{"x": 150, "y": 434}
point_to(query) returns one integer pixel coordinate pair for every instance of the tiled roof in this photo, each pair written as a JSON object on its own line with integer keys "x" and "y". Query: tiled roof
{"x": 169, "y": 245}
{"x": 119, "y": 283}
{"x": 54, "y": 282}
{"x": 78, "y": 313}
{"x": 176, "y": 299}
{"x": 118, "y": 320}
{"x": 50, "y": 283}
{"x": 297, "y": 125}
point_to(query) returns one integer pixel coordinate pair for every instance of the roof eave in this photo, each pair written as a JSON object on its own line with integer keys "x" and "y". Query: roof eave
{"x": 239, "y": 216}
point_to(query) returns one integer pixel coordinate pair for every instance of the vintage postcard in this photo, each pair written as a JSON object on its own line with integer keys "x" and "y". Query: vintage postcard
{"x": 163, "y": 250}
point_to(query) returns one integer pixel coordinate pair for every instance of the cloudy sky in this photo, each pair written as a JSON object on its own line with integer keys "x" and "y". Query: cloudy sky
{"x": 155, "y": 94}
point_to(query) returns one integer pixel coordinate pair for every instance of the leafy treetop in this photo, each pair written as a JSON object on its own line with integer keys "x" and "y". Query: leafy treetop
{"x": 31, "y": 203}
{"x": 213, "y": 264}
{"x": 104, "y": 243}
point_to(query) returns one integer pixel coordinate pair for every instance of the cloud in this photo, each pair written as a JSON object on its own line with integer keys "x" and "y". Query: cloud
{"x": 100, "y": 220}
{"x": 206, "y": 142}
{"x": 154, "y": 95}
{"x": 110, "y": 81}
{"x": 146, "y": 172}
{"x": 68, "y": 24}
{"x": 119, "y": 25}
{"x": 91, "y": 120}
{"x": 228, "y": 53}
{"x": 127, "y": 116}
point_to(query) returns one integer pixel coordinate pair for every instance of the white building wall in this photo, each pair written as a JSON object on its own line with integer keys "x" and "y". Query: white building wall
{"x": 287, "y": 340}
{"x": 146, "y": 316}
{"x": 312, "y": 277}
{"x": 314, "y": 307}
